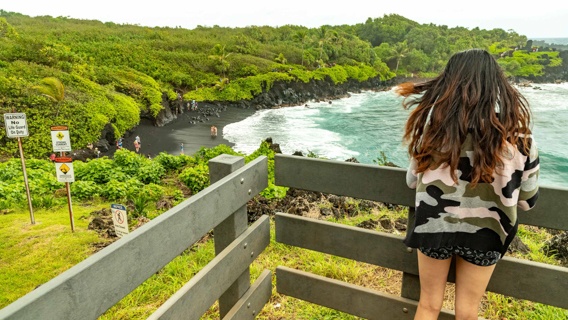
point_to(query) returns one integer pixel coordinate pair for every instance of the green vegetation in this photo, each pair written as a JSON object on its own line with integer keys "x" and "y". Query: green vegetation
{"x": 87, "y": 74}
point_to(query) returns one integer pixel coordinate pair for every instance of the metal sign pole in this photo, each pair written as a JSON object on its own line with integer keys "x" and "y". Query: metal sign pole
{"x": 70, "y": 207}
{"x": 68, "y": 189}
{"x": 26, "y": 180}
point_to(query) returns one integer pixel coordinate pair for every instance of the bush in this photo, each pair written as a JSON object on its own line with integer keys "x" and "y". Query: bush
{"x": 172, "y": 162}
{"x": 153, "y": 191}
{"x": 117, "y": 190}
{"x": 84, "y": 189}
{"x": 99, "y": 171}
{"x": 195, "y": 178}
{"x": 151, "y": 172}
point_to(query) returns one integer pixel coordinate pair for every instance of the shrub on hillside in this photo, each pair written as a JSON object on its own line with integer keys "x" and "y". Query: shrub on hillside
{"x": 195, "y": 178}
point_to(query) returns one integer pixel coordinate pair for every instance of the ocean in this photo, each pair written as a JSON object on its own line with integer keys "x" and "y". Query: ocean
{"x": 367, "y": 124}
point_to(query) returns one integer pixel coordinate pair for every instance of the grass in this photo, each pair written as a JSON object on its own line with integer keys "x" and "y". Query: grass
{"x": 31, "y": 255}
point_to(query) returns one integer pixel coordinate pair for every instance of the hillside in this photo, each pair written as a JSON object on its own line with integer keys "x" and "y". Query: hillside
{"x": 91, "y": 75}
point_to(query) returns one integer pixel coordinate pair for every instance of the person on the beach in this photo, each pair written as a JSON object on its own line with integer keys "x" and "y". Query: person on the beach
{"x": 119, "y": 143}
{"x": 213, "y": 131}
{"x": 473, "y": 162}
{"x": 136, "y": 146}
{"x": 181, "y": 148}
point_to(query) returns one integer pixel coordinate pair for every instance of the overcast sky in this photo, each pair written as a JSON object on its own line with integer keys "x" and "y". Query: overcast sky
{"x": 535, "y": 20}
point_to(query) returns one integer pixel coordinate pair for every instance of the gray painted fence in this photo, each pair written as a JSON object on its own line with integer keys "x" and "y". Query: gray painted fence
{"x": 94, "y": 285}
{"x": 513, "y": 277}
{"x": 221, "y": 206}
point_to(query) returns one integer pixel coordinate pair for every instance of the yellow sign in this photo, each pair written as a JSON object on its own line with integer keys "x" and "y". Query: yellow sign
{"x": 64, "y": 168}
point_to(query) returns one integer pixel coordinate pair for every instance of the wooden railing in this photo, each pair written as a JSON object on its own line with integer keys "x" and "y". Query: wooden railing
{"x": 513, "y": 277}
{"x": 93, "y": 286}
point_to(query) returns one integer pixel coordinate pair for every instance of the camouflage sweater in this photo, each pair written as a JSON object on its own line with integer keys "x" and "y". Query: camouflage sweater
{"x": 481, "y": 218}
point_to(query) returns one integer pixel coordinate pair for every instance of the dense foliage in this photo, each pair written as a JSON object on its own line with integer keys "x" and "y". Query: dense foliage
{"x": 128, "y": 178}
{"x": 87, "y": 74}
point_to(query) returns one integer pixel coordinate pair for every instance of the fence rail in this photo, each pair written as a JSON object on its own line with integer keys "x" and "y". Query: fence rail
{"x": 518, "y": 278}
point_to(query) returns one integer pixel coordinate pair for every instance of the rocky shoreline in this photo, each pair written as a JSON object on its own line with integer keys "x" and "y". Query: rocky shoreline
{"x": 175, "y": 124}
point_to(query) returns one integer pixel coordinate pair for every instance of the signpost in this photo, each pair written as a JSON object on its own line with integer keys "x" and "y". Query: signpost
{"x": 119, "y": 219}
{"x": 63, "y": 165}
{"x": 17, "y": 127}
{"x": 65, "y": 173}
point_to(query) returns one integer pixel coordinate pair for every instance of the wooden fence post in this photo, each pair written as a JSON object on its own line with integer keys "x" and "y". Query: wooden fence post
{"x": 410, "y": 282}
{"x": 229, "y": 229}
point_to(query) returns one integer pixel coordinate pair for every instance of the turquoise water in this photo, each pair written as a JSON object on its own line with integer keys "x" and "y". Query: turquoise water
{"x": 368, "y": 123}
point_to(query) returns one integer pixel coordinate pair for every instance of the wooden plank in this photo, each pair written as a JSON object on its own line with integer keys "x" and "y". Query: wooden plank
{"x": 195, "y": 297}
{"x": 371, "y": 182}
{"x": 538, "y": 282}
{"x": 386, "y": 184}
{"x": 378, "y": 248}
{"x": 517, "y": 278}
{"x": 254, "y": 299}
{"x": 349, "y": 298}
{"x": 228, "y": 230}
{"x": 550, "y": 209}
{"x": 94, "y": 285}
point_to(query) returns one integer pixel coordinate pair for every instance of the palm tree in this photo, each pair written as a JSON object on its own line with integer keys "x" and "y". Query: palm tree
{"x": 53, "y": 89}
{"x": 399, "y": 51}
{"x": 218, "y": 54}
{"x": 323, "y": 37}
{"x": 302, "y": 37}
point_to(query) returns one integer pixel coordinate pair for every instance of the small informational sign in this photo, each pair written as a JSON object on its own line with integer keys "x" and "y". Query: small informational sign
{"x": 16, "y": 125}
{"x": 60, "y": 139}
{"x": 64, "y": 169}
{"x": 119, "y": 219}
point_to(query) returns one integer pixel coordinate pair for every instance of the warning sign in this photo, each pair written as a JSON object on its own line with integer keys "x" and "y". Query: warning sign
{"x": 60, "y": 139}
{"x": 64, "y": 169}
{"x": 119, "y": 219}
{"x": 16, "y": 125}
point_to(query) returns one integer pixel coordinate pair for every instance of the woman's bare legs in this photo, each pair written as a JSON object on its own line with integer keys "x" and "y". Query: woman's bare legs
{"x": 471, "y": 282}
{"x": 433, "y": 276}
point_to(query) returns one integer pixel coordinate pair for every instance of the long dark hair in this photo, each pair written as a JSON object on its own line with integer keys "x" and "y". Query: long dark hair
{"x": 463, "y": 99}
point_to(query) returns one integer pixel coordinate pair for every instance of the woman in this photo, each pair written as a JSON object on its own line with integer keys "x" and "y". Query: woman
{"x": 473, "y": 161}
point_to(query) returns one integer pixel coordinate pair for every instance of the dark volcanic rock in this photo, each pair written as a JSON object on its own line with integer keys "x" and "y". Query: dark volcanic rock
{"x": 558, "y": 246}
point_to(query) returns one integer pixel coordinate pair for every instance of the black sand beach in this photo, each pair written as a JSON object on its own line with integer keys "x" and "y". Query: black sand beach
{"x": 193, "y": 136}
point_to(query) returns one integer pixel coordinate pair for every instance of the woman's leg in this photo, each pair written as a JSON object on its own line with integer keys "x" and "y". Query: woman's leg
{"x": 471, "y": 282}
{"x": 433, "y": 277}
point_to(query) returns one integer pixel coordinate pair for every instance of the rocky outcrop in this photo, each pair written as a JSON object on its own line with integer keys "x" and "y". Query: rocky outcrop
{"x": 283, "y": 94}
{"x": 554, "y": 74}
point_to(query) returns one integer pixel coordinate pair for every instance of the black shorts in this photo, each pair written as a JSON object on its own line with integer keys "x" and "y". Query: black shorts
{"x": 477, "y": 257}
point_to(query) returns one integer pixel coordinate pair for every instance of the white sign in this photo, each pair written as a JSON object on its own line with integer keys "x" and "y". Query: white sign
{"x": 16, "y": 125}
{"x": 64, "y": 170}
{"x": 60, "y": 139}
{"x": 119, "y": 219}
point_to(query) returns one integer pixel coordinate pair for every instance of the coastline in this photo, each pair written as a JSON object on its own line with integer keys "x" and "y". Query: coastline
{"x": 193, "y": 135}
